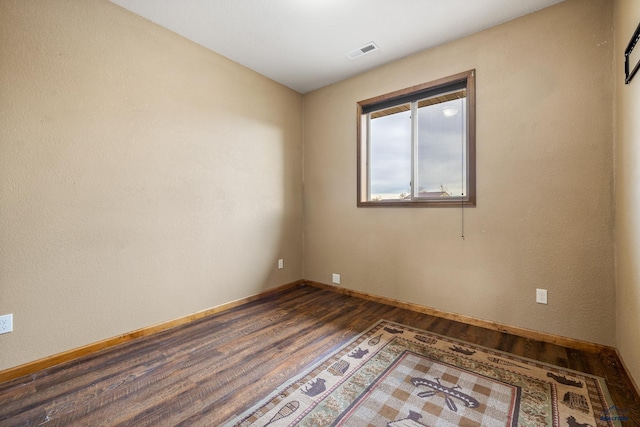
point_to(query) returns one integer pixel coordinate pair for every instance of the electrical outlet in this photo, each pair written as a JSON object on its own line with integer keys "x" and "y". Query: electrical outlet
{"x": 6, "y": 323}
{"x": 541, "y": 296}
{"x": 335, "y": 278}
{"x": 280, "y": 264}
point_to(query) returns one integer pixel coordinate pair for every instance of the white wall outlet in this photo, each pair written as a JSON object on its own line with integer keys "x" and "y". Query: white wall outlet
{"x": 280, "y": 264}
{"x": 335, "y": 278}
{"x": 541, "y": 296}
{"x": 6, "y": 323}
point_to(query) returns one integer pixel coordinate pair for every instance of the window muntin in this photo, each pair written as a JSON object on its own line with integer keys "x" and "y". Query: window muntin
{"x": 416, "y": 147}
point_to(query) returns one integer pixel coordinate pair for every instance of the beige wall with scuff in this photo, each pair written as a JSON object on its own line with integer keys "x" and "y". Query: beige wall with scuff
{"x": 142, "y": 177}
{"x": 544, "y": 217}
{"x": 627, "y": 180}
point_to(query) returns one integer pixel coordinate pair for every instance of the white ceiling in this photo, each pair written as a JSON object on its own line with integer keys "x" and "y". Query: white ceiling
{"x": 302, "y": 43}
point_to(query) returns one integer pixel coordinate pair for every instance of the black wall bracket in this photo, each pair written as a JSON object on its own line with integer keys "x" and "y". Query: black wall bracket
{"x": 628, "y": 72}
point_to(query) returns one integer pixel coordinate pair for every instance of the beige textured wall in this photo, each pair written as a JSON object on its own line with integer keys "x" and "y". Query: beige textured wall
{"x": 545, "y": 205}
{"x": 627, "y": 179}
{"x": 142, "y": 177}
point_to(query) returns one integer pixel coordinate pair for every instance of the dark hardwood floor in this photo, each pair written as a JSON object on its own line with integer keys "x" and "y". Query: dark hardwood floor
{"x": 208, "y": 371}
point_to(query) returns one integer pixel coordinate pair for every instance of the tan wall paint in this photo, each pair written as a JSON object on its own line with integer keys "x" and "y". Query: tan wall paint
{"x": 544, "y": 217}
{"x": 627, "y": 179}
{"x": 122, "y": 202}
{"x": 142, "y": 177}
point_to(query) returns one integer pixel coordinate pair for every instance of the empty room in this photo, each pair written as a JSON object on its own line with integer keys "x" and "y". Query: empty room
{"x": 313, "y": 212}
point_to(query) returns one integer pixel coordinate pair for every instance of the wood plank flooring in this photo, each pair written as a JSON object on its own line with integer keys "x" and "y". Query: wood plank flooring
{"x": 204, "y": 373}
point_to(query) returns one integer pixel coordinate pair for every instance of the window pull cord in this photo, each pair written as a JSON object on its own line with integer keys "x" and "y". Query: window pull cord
{"x": 462, "y": 182}
{"x": 462, "y": 212}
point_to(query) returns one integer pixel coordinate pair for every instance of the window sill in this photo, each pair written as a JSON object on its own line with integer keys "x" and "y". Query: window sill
{"x": 448, "y": 203}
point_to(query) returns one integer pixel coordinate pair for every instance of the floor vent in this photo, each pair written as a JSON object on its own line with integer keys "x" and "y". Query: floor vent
{"x": 362, "y": 50}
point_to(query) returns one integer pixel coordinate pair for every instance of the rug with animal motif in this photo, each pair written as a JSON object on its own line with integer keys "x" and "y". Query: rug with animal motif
{"x": 394, "y": 375}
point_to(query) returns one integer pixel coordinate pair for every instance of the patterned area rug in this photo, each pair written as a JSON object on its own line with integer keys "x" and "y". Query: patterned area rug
{"x": 393, "y": 375}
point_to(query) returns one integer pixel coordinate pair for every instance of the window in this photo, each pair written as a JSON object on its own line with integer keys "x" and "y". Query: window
{"x": 416, "y": 147}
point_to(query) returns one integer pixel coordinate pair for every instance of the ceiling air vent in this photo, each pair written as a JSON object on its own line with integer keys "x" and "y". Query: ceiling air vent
{"x": 362, "y": 50}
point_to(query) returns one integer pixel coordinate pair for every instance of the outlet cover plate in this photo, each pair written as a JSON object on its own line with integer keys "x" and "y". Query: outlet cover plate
{"x": 280, "y": 264}
{"x": 541, "y": 296}
{"x": 6, "y": 323}
{"x": 335, "y": 278}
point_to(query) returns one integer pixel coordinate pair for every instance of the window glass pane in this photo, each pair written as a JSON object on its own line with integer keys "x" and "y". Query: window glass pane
{"x": 390, "y": 153}
{"x": 441, "y": 148}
